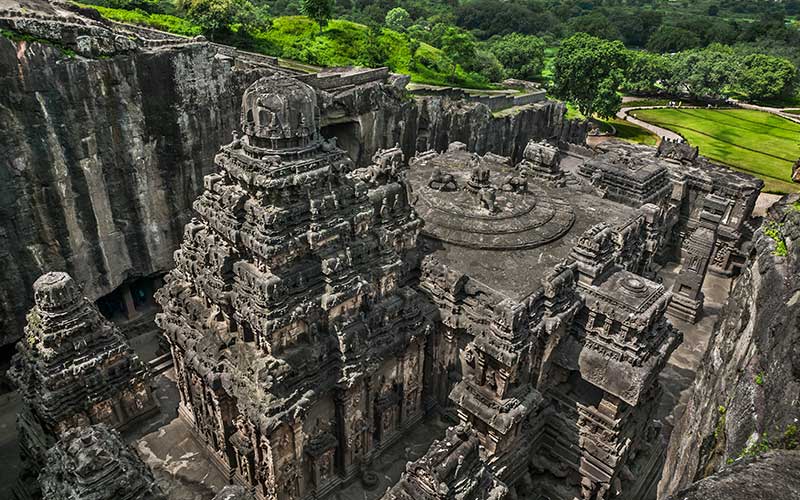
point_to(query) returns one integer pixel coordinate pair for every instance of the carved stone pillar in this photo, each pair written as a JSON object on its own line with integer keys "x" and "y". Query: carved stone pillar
{"x": 127, "y": 298}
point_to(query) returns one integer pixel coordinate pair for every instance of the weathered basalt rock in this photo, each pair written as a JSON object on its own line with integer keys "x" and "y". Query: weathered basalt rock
{"x": 93, "y": 463}
{"x": 745, "y": 396}
{"x": 99, "y": 171}
{"x": 451, "y": 469}
{"x": 73, "y": 368}
{"x": 298, "y": 343}
{"x": 772, "y": 476}
{"x": 233, "y": 493}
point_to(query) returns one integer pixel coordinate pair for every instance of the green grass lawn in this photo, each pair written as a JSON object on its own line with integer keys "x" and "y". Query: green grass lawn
{"x": 645, "y": 101}
{"x": 792, "y": 111}
{"x": 658, "y": 101}
{"x": 632, "y": 133}
{"x": 549, "y": 62}
{"x": 759, "y": 143}
{"x": 625, "y": 130}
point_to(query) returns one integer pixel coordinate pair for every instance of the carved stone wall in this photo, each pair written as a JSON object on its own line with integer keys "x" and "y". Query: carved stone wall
{"x": 299, "y": 348}
{"x": 73, "y": 369}
{"x": 95, "y": 463}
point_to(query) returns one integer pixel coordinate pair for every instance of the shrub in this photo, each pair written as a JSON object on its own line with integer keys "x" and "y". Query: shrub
{"x": 774, "y": 230}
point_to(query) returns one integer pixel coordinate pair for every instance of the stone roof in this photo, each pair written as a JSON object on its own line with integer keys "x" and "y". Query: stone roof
{"x": 93, "y": 463}
{"x": 511, "y": 250}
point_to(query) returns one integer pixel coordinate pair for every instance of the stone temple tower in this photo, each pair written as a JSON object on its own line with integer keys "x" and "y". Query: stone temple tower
{"x": 298, "y": 345}
{"x": 95, "y": 463}
{"x": 73, "y": 368}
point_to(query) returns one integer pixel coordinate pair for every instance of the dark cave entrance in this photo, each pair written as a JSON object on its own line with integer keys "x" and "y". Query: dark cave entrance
{"x": 6, "y": 352}
{"x": 348, "y": 137}
{"x": 133, "y": 308}
{"x": 131, "y": 299}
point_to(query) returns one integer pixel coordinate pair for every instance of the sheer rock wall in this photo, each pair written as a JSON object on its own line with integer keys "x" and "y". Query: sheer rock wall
{"x": 101, "y": 159}
{"x": 746, "y": 397}
{"x": 109, "y": 130}
{"x": 775, "y": 474}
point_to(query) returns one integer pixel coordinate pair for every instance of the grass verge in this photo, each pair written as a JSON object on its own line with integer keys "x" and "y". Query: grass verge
{"x": 758, "y": 143}
{"x": 163, "y": 22}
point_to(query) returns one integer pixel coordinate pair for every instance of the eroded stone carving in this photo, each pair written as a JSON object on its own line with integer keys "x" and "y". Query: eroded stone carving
{"x": 311, "y": 327}
{"x": 94, "y": 463}
{"x": 298, "y": 345}
{"x": 73, "y": 368}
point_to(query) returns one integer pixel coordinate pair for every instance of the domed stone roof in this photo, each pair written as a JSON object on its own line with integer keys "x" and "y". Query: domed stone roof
{"x": 55, "y": 290}
{"x": 280, "y": 113}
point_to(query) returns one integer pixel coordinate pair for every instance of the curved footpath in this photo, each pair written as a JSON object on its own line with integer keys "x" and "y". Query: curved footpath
{"x": 661, "y": 132}
{"x": 767, "y": 109}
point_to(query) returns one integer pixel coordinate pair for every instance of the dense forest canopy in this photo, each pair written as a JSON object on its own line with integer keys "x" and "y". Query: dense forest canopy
{"x": 749, "y": 49}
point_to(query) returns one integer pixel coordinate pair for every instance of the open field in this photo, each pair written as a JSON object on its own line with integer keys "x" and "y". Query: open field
{"x": 759, "y": 143}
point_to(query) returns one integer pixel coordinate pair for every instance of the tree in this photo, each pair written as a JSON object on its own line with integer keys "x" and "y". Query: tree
{"x": 595, "y": 24}
{"x": 376, "y": 53}
{"x": 521, "y": 55}
{"x": 458, "y": 46}
{"x": 588, "y": 71}
{"x": 705, "y": 73}
{"x": 672, "y": 39}
{"x": 318, "y": 10}
{"x": 636, "y": 26}
{"x": 760, "y": 76}
{"x": 216, "y": 16}
{"x": 398, "y": 19}
{"x": 648, "y": 73}
{"x": 497, "y": 17}
{"x": 486, "y": 64}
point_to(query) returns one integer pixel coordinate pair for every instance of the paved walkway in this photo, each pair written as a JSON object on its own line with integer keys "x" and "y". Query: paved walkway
{"x": 622, "y": 114}
{"x": 768, "y": 109}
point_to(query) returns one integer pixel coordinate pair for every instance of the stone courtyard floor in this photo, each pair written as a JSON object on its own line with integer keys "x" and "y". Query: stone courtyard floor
{"x": 167, "y": 446}
{"x": 679, "y": 373}
{"x": 393, "y": 461}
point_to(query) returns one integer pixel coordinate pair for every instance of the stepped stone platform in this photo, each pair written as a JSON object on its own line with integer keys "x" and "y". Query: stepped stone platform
{"x": 520, "y": 218}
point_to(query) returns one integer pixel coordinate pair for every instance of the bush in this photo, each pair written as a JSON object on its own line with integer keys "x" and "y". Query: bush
{"x": 486, "y": 64}
{"x": 398, "y": 19}
{"x": 521, "y": 55}
{"x": 161, "y": 22}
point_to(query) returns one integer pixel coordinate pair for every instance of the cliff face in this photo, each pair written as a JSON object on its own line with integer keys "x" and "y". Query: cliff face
{"x": 746, "y": 396}
{"x": 774, "y": 475}
{"x": 377, "y": 115}
{"x": 442, "y": 121}
{"x": 101, "y": 159}
{"x": 103, "y": 152}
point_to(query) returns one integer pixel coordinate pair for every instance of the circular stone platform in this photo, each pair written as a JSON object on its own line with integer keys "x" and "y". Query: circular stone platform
{"x": 521, "y": 220}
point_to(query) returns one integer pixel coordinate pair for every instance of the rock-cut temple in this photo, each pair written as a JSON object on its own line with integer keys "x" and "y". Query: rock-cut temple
{"x": 319, "y": 311}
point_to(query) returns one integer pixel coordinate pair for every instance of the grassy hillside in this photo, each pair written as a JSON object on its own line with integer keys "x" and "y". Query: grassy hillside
{"x": 344, "y": 43}
{"x": 161, "y": 22}
{"x": 341, "y": 43}
{"x": 758, "y": 143}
